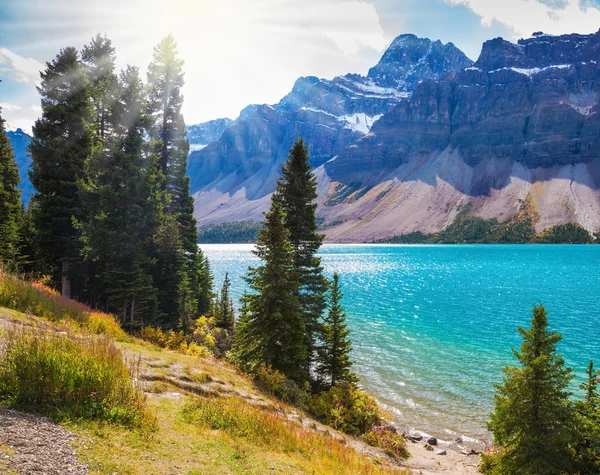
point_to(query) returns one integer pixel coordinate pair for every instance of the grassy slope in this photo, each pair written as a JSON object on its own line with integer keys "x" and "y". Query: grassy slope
{"x": 180, "y": 446}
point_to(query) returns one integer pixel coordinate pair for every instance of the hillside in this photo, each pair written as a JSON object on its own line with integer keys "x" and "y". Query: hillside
{"x": 203, "y": 416}
{"x": 520, "y": 122}
{"x": 183, "y": 440}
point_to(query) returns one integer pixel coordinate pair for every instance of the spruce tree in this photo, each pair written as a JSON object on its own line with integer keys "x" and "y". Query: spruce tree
{"x": 120, "y": 190}
{"x": 99, "y": 59}
{"x": 533, "y": 418}
{"x": 62, "y": 140}
{"x": 205, "y": 284}
{"x": 297, "y": 190}
{"x": 271, "y": 327}
{"x": 590, "y": 386}
{"x": 225, "y": 315}
{"x": 587, "y": 450}
{"x": 333, "y": 361}
{"x": 10, "y": 203}
{"x": 27, "y": 240}
{"x": 165, "y": 78}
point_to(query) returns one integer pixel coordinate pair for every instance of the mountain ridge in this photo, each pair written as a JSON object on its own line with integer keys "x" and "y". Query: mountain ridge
{"x": 522, "y": 120}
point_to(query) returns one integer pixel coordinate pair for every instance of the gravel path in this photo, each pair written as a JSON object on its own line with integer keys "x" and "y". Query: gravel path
{"x": 35, "y": 445}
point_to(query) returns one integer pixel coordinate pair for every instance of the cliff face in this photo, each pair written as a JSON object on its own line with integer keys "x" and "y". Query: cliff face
{"x": 523, "y": 120}
{"x": 521, "y": 123}
{"x": 329, "y": 114}
{"x": 534, "y": 102}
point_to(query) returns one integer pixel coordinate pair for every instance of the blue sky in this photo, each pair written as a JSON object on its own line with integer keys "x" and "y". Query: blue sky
{"x": 239, "y": 52}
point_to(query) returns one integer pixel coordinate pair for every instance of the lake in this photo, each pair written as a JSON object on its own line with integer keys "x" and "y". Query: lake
{"x": 433, "y": 325}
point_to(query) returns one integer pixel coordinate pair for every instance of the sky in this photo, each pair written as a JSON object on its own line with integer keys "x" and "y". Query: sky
{"x": 240, "y": 52}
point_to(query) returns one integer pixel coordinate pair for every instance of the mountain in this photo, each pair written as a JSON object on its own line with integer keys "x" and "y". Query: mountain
{"x": 19, "y": 141}
{"x": 202, "y": 134}
{"x": 243, "y": 165}
{"x": 517, "y": 129}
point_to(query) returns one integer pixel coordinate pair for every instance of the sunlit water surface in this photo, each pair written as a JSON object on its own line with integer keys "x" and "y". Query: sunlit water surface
{"x": 433, "y": 326}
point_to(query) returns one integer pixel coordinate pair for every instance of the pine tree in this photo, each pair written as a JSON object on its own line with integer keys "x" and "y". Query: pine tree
{"x": 205, "y": 284}
{"x": 271, "y": 327}
{"x": 165, "y": 78}
{"x": 297, "y": 190}
{"x": 533, "y": 419}
{"x": 27, "y": 240}
{"x": 99, "y": 59}
{"x": 10, "y": 203}
{"x": 333, "y": 361}
{"x": 119, "y": 190}
{"x": 62, "y": 140}
{"x": 590, "y": 386}
{"x": 587, "y": 450}
{"x": 225, "y": 314}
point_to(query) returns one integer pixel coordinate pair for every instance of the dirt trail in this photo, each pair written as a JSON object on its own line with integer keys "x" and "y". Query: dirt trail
{"x": 34, "y": 445}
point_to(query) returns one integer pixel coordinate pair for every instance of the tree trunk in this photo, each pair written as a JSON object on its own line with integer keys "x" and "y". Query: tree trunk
{"x": 66, "y": 280}
{"x": 132, "y": 309}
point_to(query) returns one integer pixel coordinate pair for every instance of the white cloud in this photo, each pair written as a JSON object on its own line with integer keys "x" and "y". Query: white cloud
{"x": 20, "y": 123}
{"x": 24, "y": 70}
{"x": 10, "y": 107}
{"x": 525, "y": 17}
{"x": 236, "y": 52}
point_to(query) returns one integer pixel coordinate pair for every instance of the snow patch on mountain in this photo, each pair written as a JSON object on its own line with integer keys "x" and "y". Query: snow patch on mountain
{"x": 360, "y": 122}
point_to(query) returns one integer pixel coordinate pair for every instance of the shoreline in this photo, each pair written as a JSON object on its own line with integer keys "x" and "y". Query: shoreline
{"x": 427, "y": 462}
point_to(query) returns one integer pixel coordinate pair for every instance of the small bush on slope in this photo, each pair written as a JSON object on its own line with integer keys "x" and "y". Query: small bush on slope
{"x": 69, "y": 376}
{"x": 389, "y": 440}
{"x": 346, "y": 408}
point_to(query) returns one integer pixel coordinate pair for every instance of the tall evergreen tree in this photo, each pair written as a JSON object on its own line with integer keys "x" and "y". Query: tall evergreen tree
{"x": 99, "y": 59}
{"x": 225, "y": 314}
{"x": 271, "y": 327}
{"x": 165, "y": 78}
{"x": 590, "y": 386}
{"x": 333, "y": 361}
{"x": 533, "y": 418}
{"x": 205, "y": 284}
{"x": 10, "y": 202}
{"x": 62, "y": 140}
{"x": 27, "y": 240}
{"x": 297, "y": 190}
{"x": 587, "y": 449}
{"x": 120, "y": 190}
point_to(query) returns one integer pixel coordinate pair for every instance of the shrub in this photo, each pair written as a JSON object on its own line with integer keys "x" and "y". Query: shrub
{"x": 275, "y": 383}
{"x": 176, "y": 341}
{"x": 65, "y": 375}
{"x": 345, "y": 408}
{"x": 387, "y": 439}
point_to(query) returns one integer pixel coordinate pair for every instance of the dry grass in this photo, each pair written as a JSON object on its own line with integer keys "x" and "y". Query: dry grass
{"x": 67, "y": 375}
{"x": 184, "y": 446}
{"x": 239, "y": 430}
{"x": 37, "y": 299}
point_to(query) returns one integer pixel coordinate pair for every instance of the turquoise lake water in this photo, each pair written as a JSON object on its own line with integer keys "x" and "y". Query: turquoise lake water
{"x": 433, "y": 326}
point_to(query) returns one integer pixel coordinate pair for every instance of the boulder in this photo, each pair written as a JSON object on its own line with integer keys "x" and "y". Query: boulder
{"x": 432, "y": 440}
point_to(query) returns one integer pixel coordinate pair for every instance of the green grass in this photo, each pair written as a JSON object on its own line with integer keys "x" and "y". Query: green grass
{"x": 69, "y": 376}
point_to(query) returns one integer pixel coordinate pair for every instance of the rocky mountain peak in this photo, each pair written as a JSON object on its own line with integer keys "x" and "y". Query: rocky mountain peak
{"x": 410, "y": 60}
{"x": 539, "y": 51}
